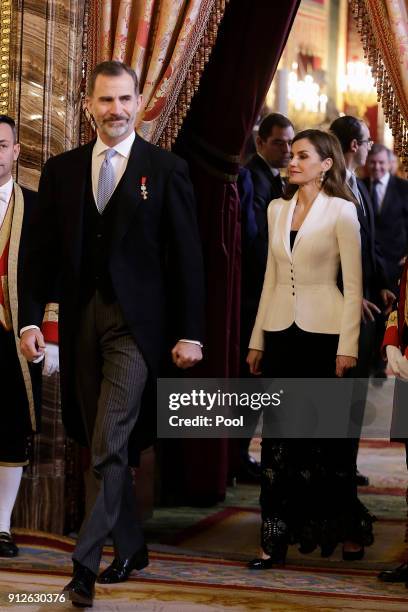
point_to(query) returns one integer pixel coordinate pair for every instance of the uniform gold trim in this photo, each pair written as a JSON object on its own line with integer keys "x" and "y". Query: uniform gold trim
{"x": 12, "y": 277}
{"x": 5, "y": 41}
{"x": 392, "y": 318}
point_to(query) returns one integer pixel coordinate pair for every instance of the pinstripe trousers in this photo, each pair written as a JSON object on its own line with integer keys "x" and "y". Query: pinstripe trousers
{"x": 110, "y": 377}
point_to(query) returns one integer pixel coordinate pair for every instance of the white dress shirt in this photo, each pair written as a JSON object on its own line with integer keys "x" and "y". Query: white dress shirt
{"x": 275, "y": 171}
{"x": 119, "y": 161}
{"x": 381, "y": 188}
{"x": 5, "y": 196}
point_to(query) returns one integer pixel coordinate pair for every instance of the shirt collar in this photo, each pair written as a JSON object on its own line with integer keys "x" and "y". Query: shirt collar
{"x": 123, "y": 147}
{"x": 275, "y": 171}
{"x": 384, "y": 180}
{"x": 7, "y": 189}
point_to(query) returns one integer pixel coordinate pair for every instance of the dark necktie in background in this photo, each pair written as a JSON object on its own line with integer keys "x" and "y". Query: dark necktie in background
{"x": 374, "y": 198}
{"x": 279, "y": 183}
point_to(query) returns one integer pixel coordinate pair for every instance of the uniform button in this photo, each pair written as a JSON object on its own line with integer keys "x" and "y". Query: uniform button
{"x": 99, "y": 235}
{"x": 293, "y": 286}
{"x": 293, "y": 293}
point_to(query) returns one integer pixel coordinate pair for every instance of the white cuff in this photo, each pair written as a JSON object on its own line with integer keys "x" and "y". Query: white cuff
{"x": 192, "y": 342}
{"x": 27, "y": 327}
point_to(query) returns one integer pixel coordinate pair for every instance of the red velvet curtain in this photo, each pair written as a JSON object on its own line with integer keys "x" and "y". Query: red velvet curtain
{"x": 232, "y": 90}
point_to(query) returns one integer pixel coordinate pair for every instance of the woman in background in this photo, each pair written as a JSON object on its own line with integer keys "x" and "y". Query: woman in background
{"x": 307, "y": 328}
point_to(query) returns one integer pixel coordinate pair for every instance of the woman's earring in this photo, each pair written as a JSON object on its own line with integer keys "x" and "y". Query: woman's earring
{"x": 322, "y": 177}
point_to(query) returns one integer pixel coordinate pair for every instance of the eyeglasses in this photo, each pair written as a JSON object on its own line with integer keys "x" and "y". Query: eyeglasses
{"x": 368, "y": 141}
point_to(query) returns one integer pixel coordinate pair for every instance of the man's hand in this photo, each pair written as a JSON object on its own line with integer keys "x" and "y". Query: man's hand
{"x": 254, "y": 359}
{"x": 51, "y": 360}
{"x": 186, "y": 354}
{"x": 388, "y": 299}
{"x": 394, "y": 356}
{"x": 32, "y": 344}
{"x": 344, "y": 363}
{"x": 368, "y": 310}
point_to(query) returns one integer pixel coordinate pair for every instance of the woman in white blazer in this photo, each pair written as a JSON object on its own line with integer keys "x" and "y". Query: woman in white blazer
{"x": 307, "y": 328}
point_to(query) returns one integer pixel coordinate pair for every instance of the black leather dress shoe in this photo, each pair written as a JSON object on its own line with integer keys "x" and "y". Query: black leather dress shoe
{"x": 262, "y": 564}
{"x": 361, "y": 480}
{"x": 120, "y": 569}
{"x": 8, "y": 547}
{"x": 81, "y": 590}
{"x": 399, "y": 574}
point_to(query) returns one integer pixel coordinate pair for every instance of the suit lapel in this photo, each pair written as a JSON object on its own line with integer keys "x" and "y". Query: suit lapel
{"x": 368, "y": 219}
{"x": 128, "y": 193}
{"x": 80, "y": 173}
{"x": 388, "y": 197}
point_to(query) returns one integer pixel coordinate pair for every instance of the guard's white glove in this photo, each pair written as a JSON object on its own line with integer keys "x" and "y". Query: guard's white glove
{"x": 393, "y": 356}
{"x": 51, "y": 359}
{"x": 403, "y": 367}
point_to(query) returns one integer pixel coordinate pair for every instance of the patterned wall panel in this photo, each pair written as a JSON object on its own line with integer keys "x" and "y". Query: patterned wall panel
{"x": 45, "y": 68}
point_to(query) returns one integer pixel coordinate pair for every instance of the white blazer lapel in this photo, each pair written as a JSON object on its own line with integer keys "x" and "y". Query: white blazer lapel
{"x": 286, "y": 222}
{"x": 312, "y": 218}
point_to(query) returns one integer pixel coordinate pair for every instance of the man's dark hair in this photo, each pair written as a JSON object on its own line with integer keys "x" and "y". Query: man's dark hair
{"x": 112, "y": 69}
{"x": 379, "y": 148}
{"x": 9, "y": 121}
{"x": 346, "y": 129}
{"x": 268, "y": 123}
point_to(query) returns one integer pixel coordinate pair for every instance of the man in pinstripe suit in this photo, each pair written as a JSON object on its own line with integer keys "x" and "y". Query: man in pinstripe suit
{"x": 116, "y": 221}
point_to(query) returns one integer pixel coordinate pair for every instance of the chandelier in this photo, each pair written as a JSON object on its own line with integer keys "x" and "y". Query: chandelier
{"x": 307, "y": 103}
{"x": 358, "y": 87}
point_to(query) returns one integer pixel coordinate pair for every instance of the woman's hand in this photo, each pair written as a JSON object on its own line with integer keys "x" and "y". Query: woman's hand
{"x": 254, "y": 359}
{"x": 344, "y": 363}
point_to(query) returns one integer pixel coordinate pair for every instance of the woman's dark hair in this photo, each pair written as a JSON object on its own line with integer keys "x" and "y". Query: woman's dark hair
{"x": 327, "y": 146}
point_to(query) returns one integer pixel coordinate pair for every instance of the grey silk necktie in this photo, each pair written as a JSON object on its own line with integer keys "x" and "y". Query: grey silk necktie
{"x": 354, "y": 188}
{"x": 106, "y": 182}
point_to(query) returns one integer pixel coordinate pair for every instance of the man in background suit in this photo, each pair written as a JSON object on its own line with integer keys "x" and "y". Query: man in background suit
{"x": 354, "y": 137}
{"x": 117, "y": 222}
{"x": 259, "y": 183}
{"x": 389, "y": 195}
{"x": 20, "y": 382}
{"x": 273, "y": 144}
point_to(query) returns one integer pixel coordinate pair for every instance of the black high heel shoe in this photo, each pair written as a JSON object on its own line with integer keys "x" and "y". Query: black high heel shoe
{"x": 353, "y": 555}
{"x": 274, "y": 541}
{"x": 328, "y": 538}
{"x": 262, "y": 564}
{"x": 308, "y": 539}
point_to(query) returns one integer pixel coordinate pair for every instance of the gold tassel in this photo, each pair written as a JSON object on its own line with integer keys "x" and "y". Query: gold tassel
{"x": 385, "y": 89}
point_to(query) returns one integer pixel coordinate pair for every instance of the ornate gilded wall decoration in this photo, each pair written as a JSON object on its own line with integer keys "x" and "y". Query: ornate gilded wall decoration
{"x": 5, "y": 40}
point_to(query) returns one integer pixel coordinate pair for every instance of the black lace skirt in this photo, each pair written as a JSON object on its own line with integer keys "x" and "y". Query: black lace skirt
{"x": 310, "y": 485}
